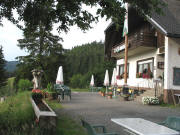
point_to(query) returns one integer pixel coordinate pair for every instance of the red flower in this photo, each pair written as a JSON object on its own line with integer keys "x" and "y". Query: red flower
{"x": 118, "y": 77}
{"x": 36, "y": 91}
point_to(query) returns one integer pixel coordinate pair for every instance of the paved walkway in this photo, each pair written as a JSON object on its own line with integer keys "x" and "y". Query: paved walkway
{"x": 99, "y": 110}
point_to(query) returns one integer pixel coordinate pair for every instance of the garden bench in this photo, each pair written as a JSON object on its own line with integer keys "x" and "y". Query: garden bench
{"x": 62, "y": 90}
{"x": 172, "y": 122}
{"x": 91, "y": 129}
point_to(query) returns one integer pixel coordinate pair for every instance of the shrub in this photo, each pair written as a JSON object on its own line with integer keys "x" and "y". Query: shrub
{"x": 50, "y": 87}
{"x": 75, "y": 81}
{"x": 24, "y": 84}
{"x": 150, "y": 100}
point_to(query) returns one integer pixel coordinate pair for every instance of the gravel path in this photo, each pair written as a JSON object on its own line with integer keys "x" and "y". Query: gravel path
{"x": 99, "y": 110}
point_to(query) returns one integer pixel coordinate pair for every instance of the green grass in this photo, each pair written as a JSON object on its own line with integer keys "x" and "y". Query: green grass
{"x": 80, "y": 90}
{"x": 9, "y": 88}
{"x": 17, "y": 117}
{"x": 67, "y": 126}
{"x": 54, "y": 104}
{"x": 170, "y": 105}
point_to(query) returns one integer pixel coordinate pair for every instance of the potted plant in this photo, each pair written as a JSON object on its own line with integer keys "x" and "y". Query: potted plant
{"x": 137, "y": 75}
{"x": 110, "y": 93}
{"x": 118, "y": 77}
{"x": 103, "y": 92}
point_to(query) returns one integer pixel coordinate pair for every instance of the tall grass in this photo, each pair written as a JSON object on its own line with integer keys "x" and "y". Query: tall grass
{"x": 16, "y": 115}
{"x": 8, "y": 89}
{"x": 67, "y": 126}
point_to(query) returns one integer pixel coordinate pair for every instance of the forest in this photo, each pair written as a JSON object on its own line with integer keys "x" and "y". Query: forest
{"x": 79, "y": 63}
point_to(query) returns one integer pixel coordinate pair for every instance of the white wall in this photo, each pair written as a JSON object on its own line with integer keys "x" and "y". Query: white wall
{"x": 158, "y": 72}
{"x": 172, "y": 59}
{"x": 132, "y": 80}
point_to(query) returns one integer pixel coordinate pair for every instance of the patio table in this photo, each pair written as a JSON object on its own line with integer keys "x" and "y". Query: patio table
{"x": 178, "y": 95}
{"x": 144, "y": 127}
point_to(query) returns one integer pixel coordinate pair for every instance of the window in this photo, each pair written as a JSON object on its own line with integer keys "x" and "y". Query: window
{"x": 121, "y": 71}
{"x": 145, "y": 68}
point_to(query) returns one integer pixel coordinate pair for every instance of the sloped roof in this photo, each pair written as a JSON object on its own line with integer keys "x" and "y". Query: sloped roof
{"x": 169, "y": 22}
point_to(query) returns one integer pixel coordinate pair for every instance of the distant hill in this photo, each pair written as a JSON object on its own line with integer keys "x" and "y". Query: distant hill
{"x": 11, "y": 66}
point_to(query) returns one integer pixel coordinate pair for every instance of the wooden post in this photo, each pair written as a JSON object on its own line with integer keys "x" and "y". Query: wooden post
{"x": 172, "y": 94}
{"x": 126, "y": 59}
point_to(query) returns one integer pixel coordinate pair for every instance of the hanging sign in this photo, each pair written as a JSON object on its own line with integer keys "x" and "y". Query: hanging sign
{"x": 119, "y": 48}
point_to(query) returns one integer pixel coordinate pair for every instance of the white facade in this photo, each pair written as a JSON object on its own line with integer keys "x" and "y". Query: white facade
{"x": 132, "y": 80}
{"x": 171, "y": 59}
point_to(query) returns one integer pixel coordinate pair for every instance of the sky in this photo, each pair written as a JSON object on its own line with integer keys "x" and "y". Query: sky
{"x": 9, "y": 34}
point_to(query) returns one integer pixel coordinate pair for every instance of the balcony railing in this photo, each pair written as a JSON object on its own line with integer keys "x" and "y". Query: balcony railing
{"x": 136, "y": 39}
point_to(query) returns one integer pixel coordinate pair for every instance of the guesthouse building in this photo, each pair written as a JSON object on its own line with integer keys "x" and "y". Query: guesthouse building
{"x": 153, "y": 50}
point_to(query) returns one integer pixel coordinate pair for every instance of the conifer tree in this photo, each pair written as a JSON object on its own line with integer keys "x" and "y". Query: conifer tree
{"x": 45, "y": 52}
{"x": 2, "y": 69}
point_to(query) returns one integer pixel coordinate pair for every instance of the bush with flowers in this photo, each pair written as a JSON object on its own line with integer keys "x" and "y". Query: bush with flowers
{"x": 37, "y": 94}
{"x": 150, "y": 100}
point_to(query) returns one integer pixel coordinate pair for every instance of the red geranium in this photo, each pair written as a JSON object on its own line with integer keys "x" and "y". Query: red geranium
{"x": 37, "y": 94}
{"x": 36, "y": 91}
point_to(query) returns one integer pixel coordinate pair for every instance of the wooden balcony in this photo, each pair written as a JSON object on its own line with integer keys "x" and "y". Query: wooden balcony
{"x": 139, "y": 42}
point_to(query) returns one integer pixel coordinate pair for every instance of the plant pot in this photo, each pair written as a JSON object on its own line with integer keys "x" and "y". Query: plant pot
{"x": 54, "y": 95}
{"x": 126, "y": 98}
{"x": 103, "y": 94}
{"x": 109, "y": 96}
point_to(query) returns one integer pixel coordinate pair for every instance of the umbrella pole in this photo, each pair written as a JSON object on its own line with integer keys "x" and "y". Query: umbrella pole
{"x": 114, "y": 91}
{"x": 106, "y": 89}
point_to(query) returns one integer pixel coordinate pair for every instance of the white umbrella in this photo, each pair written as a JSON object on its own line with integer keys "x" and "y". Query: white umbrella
{"x": 112, "y": 80}
{"x": 106, "y": 80}
{"x": 59, "y": 79}
{"x": 92, "y": 81}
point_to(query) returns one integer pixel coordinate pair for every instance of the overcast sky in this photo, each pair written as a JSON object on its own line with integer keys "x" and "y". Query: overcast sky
{"x": 9, "y": 34}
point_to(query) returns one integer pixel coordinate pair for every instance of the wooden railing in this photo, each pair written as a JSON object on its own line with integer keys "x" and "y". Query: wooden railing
{"x": 136, "y": 39}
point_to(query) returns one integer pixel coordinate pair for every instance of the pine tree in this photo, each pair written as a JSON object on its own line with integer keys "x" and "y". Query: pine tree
{"x": 2, "y": 70}
{"x": 45, "y": 52}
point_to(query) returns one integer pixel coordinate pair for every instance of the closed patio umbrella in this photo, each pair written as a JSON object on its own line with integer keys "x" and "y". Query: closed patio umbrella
{"x": 106, "y": 80}
{"x": 59, "y": 79}
{"x": 92, "y": 81}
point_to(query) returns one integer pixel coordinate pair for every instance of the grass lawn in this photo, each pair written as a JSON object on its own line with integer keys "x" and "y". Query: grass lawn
{"x": 80, "y": 90}
{"x": 9, "y": 88}
{"x": 170, "y": 105}
{"x": 17, "y": 117}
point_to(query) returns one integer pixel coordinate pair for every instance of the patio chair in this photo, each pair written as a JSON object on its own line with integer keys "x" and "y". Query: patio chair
{"x": 62, "y": 90}
{"x": 91, "y": 129}
{"x": 172, "y": 122}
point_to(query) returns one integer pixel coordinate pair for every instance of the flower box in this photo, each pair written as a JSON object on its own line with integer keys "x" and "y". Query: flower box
{"x": 46, "y": 117}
